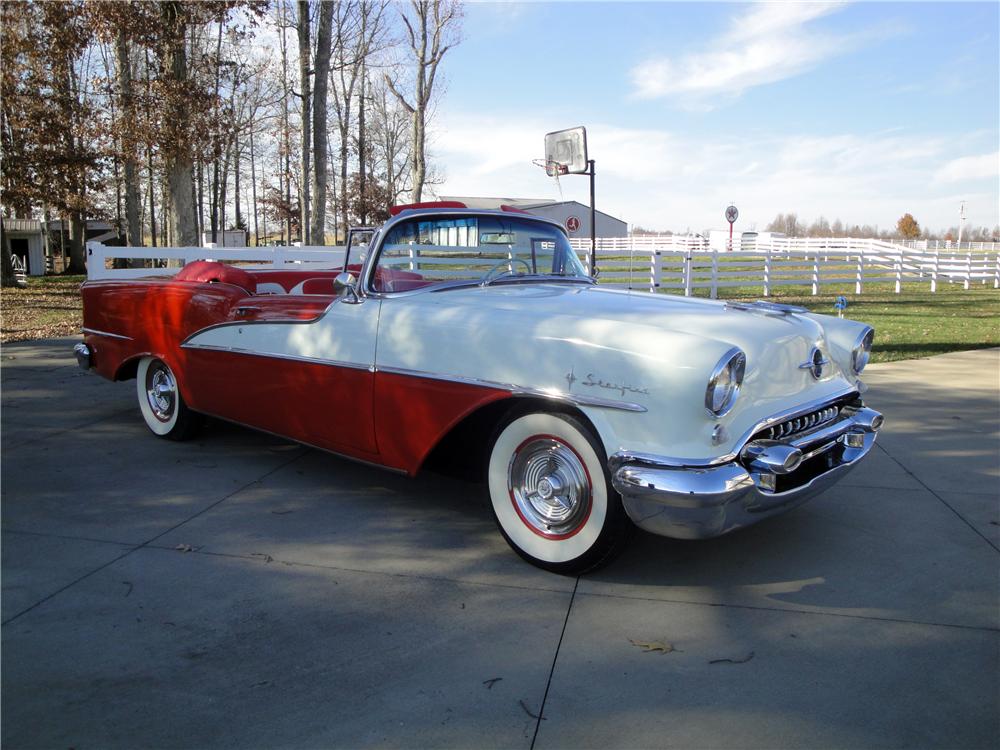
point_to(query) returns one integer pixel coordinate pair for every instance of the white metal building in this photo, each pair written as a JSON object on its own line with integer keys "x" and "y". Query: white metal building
{"x": 573, "y": 215}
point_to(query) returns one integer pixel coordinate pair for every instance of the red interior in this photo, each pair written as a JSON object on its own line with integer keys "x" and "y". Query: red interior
{"x": 304, "y": 282}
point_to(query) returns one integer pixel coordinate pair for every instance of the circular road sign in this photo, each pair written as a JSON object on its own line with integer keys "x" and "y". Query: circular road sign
{"x": 572, "y": 224}
{"x": 732, "y": 214}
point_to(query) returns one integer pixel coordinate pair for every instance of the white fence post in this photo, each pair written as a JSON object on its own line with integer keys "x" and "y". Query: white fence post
{"x": 934, "y": 270}
{"x": 996, "y": 273}
{"x": 968, "y": 270}
{"x": 413, "y": 255}
{"x": 899, "y": 272}
{"x": 815, "y": 274}
{"x": 654, "y": 270}
{"x": 767, "y": 272}
{"x": 714, "y": 291}
{"x": 687, "y": 274}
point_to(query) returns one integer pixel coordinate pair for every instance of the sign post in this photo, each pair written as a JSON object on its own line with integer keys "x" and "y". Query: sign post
{"x": 732, "y": 214}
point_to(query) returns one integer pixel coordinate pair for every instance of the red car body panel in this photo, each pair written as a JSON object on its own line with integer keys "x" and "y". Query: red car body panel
{"x": 386, "y": 418}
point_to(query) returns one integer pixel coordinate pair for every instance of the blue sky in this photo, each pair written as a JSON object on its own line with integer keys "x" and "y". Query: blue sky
{"x": 860, "y": 111}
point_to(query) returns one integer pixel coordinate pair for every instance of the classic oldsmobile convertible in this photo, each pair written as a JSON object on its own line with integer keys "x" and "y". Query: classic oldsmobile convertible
{"x": 478, "y": 334}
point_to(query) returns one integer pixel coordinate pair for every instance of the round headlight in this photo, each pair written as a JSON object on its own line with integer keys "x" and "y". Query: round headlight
{"x": 725, "y": 381}
{"x": 862, "y": 350}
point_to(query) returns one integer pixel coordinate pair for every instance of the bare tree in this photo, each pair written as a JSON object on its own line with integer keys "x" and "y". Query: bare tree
{"x": 431, "y": 32}
{"x": 303, "y": 29}
{"x": 360, "y": 33}
{"x": 322, "y": 69}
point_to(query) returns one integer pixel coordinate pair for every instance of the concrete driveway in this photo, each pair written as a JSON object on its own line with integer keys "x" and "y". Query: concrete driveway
{"x": 242, "y": 591}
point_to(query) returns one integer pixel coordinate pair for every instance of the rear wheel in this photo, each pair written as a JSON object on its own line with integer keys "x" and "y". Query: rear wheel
{"x": 160, "y": 401}
{"x": 552, "y": 495}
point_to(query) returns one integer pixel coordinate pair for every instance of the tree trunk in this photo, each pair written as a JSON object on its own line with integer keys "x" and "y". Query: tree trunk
{"x": 152, "y": 197}
{"x": 304, "y": 49}
{"x": 7, "y": 278}
{"x": 253, "y": 188}
{"x": 419, "y": 166}
{"x": 77, "y": 243}
{"x": 179, "y": 164}
{"x": 133, "y": 223}
{"x": 362, "y": 162}
{"x": 323, "y": 38}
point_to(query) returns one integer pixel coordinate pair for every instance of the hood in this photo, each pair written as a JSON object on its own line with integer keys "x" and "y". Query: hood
{"x": 656, "y": 351}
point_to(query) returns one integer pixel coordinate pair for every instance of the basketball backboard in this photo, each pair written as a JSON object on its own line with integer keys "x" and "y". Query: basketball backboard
{"x": 567, "y": 148}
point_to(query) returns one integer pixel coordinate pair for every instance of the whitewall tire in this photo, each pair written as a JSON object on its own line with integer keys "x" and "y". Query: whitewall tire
{"x": 551, "y": 494}
{"x": 160, "y": 402}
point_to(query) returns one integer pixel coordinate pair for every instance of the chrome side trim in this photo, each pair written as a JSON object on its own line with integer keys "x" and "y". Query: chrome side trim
{"x": 273, "y": 355}
{"x": 95, "y": 332}
{"x": 518, "y": 390}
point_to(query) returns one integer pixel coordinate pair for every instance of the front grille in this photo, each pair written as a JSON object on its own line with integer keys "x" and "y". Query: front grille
{"x": 792, "y": 427}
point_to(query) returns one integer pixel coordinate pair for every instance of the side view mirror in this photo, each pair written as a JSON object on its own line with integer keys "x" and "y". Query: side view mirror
{"x": 343, "y": 287}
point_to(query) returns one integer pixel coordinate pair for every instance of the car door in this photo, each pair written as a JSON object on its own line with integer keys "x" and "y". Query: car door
{"x": 307, "y": 379}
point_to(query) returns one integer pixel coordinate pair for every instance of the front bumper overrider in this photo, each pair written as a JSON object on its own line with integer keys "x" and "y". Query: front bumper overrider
{"x": 768, "y": 477}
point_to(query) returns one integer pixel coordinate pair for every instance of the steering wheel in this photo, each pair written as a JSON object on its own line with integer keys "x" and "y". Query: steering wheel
{"x": 492, "y": 273}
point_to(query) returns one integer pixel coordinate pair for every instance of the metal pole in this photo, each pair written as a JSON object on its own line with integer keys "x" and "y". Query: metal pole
{"x": 593, "y": 221}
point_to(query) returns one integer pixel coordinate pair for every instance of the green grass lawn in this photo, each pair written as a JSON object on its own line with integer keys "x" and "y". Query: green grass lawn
{"x": 913, "y": 324}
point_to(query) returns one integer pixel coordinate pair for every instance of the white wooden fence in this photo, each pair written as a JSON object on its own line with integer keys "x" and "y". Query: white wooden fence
{"x": 686, "y": 263}
{"x": 166, "y": 260}
{"x": 674, "y": 263}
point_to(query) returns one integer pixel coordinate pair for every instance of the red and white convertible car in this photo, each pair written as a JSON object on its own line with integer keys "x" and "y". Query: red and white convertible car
{"x": 479, "y": 333}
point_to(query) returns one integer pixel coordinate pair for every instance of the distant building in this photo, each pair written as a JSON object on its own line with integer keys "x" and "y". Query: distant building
{"x": 573, "y": 215}
{"x": 40, "y": 245}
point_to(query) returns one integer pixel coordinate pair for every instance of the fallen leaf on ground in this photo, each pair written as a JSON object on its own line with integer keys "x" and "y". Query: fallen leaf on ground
{"x": 185, "y": 548}
{"x": 491, "y": 682}
{"x": 652, "y": 646}
{"x": 742, "y": 660}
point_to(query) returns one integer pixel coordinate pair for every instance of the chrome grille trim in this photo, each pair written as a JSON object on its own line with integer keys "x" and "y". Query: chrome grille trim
{"x": 804, "y": 423}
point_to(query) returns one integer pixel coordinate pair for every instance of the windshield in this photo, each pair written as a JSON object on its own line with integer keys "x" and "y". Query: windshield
{"x": 479, "y": 249}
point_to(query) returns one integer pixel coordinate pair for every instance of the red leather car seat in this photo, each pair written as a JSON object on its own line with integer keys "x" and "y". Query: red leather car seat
{"x": 210, "y": 271}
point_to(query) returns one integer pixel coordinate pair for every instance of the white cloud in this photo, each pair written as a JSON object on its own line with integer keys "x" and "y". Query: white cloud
{"x": 965, "y": 168}
{"x": 663, "y": 180}
{"x": 767, "y": 43}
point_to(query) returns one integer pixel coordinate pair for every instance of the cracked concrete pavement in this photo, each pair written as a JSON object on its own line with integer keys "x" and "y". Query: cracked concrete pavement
{"x": 243, "y": 591}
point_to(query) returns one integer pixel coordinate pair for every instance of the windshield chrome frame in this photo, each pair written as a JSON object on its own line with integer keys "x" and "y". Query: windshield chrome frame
{"x": 364, "y": 282}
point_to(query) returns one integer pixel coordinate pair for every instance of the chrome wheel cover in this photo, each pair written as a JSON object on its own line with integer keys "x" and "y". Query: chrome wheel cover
{"x": 161, "y": 391}
{"x": 549, "y": 487}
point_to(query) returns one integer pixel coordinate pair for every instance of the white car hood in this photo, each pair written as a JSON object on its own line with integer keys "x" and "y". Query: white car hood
{"x": 656, "y": 351}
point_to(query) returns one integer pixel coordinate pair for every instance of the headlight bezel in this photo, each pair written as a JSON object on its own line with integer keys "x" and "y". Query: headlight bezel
{"x": 732, "y": 364}
{"x": 862, "y": 349}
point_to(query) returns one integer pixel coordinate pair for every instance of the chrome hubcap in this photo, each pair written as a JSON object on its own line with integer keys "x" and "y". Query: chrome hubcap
{"x": 161, "y": 392}
{"x": 549, "y": 486}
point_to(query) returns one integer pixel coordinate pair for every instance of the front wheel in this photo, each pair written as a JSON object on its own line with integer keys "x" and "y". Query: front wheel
{"x": 160, "y": 401}
{"x": 552, "y": 495}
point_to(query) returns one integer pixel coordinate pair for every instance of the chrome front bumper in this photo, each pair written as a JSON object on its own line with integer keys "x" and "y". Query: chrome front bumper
{"x": 767, "y": 478}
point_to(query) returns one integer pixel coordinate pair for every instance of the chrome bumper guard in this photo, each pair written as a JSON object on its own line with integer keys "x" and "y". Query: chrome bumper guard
{"x": 768, "y": 477}
{"x": 83, "y": 356}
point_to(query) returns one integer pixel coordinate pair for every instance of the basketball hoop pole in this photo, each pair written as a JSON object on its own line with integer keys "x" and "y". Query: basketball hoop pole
{"x": 593, "y": 220}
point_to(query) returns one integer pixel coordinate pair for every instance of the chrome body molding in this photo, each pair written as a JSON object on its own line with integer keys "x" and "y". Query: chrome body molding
{"x": 95, "y": 332}
{"x": 519, "y": 390}
{"x": 272, "y": 355}
{"x": 699, "y": 501}
{"x": 768, "y": 308}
